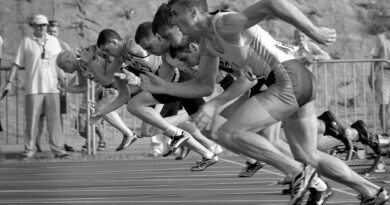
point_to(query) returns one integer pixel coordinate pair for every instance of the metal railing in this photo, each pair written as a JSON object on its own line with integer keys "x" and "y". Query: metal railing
{"x": 12, "y": 116}
{"x": 342, "y": 86}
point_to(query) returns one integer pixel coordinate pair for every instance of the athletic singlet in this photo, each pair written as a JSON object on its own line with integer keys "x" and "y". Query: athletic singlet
{"x": 257, "y": 58}
{"x": 149, "y": 63}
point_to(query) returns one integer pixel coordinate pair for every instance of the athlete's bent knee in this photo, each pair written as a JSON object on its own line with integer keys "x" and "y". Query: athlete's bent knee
{"x": 226, "y": 134}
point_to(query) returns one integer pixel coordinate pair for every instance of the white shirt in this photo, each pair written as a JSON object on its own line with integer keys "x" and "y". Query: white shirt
{"x": 40, "y": 74}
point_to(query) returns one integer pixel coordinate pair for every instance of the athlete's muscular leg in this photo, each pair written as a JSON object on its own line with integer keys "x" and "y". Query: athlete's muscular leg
{"x": 236, "y": 134}
{"x": 191, "y": 128}
{"x": 301, "y": 132}
{"x": 113, "y": 117}
{"x": 272, "y": 133}
{"x": 138, "y": 106}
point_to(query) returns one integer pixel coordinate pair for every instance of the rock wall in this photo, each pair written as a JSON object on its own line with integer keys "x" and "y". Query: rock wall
{"x": 81, "y": 20}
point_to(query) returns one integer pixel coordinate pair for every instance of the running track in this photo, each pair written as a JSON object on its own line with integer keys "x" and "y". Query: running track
{"x": 148, "y": 181}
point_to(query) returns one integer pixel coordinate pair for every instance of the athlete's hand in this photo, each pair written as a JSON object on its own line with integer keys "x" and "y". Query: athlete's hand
{"x": 129, "y": 77}
{"x": 206, "y": 115}
{"x": 152, "y": 83}
{"x": 325, "y": 36}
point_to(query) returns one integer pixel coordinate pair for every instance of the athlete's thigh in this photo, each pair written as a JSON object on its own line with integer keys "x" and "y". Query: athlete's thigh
{"x": 271, "y": 132}
{"x": 109, "y": 95}
{"x": 251, "y": 115}
{"x": 143, "y": 99}
{"x": 229, "y": 110}
{"x": 301, "y": 129}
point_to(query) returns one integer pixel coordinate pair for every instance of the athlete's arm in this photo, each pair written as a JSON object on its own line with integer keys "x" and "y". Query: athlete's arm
{"x": 106, "y": 76}
{"x": 195, "y": 88}
{"x": 165, "y": 70}
{"x": 11, "y": 77}
{"x": 239, "y": 87}
{"x": 253, "y": 14}
{"x": 123, "y": 97}
{"x": 81, "y": 87}
{"x": 201, "y": 86}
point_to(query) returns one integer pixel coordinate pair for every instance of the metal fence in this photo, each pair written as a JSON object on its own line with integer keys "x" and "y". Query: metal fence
{"x": 12, "y": 116}
{"x": 342, "y": 87}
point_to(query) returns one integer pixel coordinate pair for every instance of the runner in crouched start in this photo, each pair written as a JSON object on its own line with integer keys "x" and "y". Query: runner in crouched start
{"x": 254, "y": 54}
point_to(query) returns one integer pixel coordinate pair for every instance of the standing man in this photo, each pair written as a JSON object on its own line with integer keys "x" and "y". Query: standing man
{"x": 380, "y": 75}
{"x": 52, "y": 29}
{"x": 37, "y": 54}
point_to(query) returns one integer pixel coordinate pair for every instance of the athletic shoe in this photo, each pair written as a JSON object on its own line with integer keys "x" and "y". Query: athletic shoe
{"x": 334, "y": 128}
{"x": 300, "y": 184}
{"x": 176, "y": 141}
{"x": 379, "y": 199}
{"x": 319, "y": 197}
{"x": 126, "y": 142}
{"x": 251, "y": 169}
{"x": 101, "y": 146}
{"x": 68, "y": 148}
{"x": 286, "y": 181}
{"x": 27, "y": 155}
{"x": 204, "y": 164}
{"x": 366, "y": 137}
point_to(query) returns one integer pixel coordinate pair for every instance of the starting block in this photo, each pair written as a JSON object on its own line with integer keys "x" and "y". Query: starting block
{"x": 379, "y": 165}
{"x": 366, "y": 166}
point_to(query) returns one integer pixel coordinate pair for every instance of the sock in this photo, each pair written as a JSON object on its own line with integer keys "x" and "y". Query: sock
{"x": 248, "y": 159}
{"x": 209, "y": 155}
{"x": 318, "y": 184}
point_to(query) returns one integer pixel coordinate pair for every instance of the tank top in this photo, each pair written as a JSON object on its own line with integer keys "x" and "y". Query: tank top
{"x": 257, "y": 57}
{"x": 149, "y": 63}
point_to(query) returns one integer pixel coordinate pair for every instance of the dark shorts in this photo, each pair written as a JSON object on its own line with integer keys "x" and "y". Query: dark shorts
{"x": 170, "y": 109}
{"x": 189, "y": 104}
{"x": 294, "y": 87}
{"x": 302, "y": 80}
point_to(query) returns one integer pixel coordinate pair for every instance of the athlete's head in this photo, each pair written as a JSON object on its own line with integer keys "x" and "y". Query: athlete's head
{"x": 67, "y": 61}
{"x": 154, "y": 44}
{"x": 146, "y": 39}
{"x": 110, "y": 42}
{"x": 186, "y": 13}
{"x": 164, "y": 26}
{"x": 189, "y": 54}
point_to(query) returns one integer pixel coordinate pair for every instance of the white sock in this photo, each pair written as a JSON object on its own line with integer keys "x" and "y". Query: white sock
{"x": 209, "y": 155}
